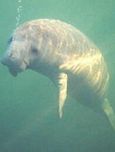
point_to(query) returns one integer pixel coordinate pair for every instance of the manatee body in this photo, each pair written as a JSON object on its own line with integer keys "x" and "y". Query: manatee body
{"x": 66, "y": 56}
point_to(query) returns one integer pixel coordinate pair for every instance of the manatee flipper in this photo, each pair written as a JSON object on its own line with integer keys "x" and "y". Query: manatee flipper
{"x": 109, "y": 112}
{"x": 62, "y": 81}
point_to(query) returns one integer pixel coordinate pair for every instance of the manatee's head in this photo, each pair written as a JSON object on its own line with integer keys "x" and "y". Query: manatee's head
{"x": 18, "y": 55}
{"x": 14, "y": 57}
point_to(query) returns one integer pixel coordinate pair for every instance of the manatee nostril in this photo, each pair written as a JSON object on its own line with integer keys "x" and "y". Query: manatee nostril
{"x": 9, "y": 54}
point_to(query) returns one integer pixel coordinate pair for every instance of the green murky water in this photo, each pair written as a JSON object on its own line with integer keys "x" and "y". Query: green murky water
{"x": 29, "y": 119}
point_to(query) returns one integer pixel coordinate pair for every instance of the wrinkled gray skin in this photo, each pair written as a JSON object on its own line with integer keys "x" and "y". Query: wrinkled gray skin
{"x": 43, "y": 45}
{"x": 46, "y": 45}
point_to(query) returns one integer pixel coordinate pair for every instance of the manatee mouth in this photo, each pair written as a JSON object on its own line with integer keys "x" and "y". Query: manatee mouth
{"x": 13, "y": 67}
{"x": 13, "y": 72}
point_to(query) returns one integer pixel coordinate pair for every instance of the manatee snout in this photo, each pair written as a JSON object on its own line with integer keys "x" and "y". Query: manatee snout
{"x": 14, "y": 57}
{"x": 11, "y": 64}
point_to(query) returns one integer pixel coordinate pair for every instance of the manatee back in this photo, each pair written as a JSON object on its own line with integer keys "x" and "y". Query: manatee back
{"x": 55, "y": 36}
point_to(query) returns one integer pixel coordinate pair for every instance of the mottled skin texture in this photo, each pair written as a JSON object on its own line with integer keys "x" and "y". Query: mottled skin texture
{"x": 66, "y": 56}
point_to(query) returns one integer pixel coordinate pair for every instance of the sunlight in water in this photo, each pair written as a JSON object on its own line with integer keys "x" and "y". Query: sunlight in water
{"x": 90, "y": 65}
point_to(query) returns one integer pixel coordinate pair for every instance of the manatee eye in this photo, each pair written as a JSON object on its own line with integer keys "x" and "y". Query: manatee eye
{"x": 34, "y": 51}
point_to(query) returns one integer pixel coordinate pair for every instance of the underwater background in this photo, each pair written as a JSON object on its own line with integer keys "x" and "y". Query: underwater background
{"x": 29, "y": 119}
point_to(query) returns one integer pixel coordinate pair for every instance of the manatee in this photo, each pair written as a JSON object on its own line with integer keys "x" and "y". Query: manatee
{"x": 67, "y": 57}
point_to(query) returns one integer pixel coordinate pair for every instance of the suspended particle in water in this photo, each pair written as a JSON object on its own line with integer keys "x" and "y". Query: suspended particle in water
{"x": 19, "y": 1}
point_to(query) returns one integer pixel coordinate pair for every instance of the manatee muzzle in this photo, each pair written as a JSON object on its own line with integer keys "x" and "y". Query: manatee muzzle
{"x": 12, "y": 65}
